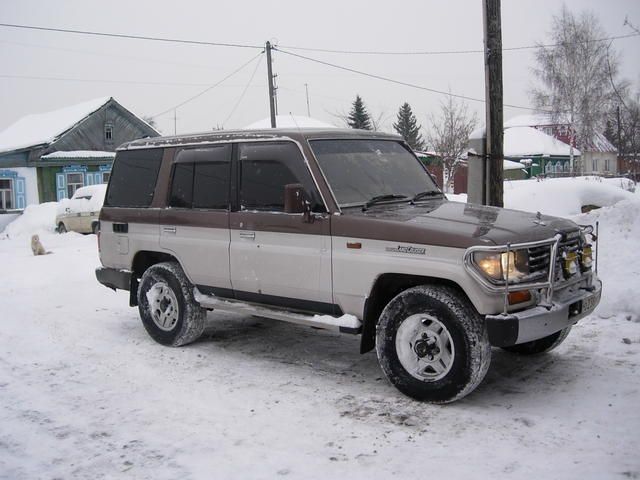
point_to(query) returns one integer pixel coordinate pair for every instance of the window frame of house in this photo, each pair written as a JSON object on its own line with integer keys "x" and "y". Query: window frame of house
{"x": 594, "y": 164}
{"x": 7, "y": 193}
{"x": 73, "y": 186}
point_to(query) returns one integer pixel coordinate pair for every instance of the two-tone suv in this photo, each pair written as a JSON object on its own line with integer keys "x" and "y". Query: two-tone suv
{"x": 345, "y": 230}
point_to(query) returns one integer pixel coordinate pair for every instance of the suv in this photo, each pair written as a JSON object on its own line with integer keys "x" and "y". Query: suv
{"x": 344, "y": 230}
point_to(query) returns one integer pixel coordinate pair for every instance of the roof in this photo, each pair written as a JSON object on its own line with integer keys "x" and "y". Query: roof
{"x": 289, "y": 121}
{"x": 44, "y": 128}
{"x": 299, "y": 134}
{"x": 527, "y": 141}
{"x": 79, "y": 154}
{"x": 599, "y": 143}
{"x": 510, "y": 165}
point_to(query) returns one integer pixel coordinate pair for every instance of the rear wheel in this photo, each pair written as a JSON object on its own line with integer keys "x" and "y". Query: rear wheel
{"x": 432, "y": 344}
{"x": 167, "y": 307}
{"x": 61, "y": 228}
{"x": 95, "y": 227}
{"x": 541, "y": 345}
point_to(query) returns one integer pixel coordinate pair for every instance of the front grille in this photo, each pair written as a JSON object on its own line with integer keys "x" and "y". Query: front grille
{"x": 539, "y": 260}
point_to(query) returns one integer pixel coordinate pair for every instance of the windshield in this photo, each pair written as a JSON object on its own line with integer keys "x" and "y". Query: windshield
{"x": 360, "y": 170}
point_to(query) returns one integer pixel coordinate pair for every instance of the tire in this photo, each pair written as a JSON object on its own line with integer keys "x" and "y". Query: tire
{"x": 167, "y": 308}
{"x": 435, "y": 332}
{"x": 95, "y": 227}
{"x": 61, "y": 228}
{"x": 541, "y": 345}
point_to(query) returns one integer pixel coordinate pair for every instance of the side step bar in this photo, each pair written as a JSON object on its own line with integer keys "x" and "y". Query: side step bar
{"x": 343, "y": 324}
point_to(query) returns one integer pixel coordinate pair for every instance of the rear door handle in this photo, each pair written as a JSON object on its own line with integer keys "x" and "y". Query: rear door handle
{"x": 248, "y": 235}
{"x": 169, "y": 229}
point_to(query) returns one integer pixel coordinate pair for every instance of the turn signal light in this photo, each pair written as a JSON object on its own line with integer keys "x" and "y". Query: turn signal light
{"x": 520, "y": 296}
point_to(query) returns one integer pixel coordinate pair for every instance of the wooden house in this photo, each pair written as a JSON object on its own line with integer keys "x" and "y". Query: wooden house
{"x": 46, "y": 157}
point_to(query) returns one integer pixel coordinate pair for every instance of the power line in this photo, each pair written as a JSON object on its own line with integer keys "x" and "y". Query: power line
{"x": 398, "y": 82}
{"x": 208, "y": 88}
{"x": 452, "y": 52}
{"x": 134, "y": 37}
{"x": 244, "y": 91}
{"x": 99, "y": 80}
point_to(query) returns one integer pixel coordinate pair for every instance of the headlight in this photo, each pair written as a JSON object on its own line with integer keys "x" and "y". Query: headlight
{"x": 586, "y": 258}
{"x": 497, "y": 266}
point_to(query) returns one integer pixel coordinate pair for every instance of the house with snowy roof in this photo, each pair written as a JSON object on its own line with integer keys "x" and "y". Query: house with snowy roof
{"x": 598, "y": 155}
{"x": 47, "y": 156}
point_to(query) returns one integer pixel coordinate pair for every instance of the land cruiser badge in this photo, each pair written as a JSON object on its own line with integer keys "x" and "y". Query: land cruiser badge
{"x": 411, "y": 250}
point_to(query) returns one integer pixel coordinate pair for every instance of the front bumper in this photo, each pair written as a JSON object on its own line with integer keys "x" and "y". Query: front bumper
{"x": 540, "y": 321}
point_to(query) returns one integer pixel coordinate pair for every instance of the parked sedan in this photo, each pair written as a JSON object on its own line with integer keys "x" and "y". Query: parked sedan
{"x": 80, "y": 212}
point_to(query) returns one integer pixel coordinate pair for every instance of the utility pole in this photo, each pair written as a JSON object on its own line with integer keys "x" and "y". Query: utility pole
{"x": 494, "y": 149}
{"x": 175, "y": 122}
{"x": 306, "y": 88}
{"x": 272, "y": 92}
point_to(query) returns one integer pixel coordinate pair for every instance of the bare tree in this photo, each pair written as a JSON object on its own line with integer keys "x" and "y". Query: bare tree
{"x": 448, "y": 135}
{"x": 576, "y": 75}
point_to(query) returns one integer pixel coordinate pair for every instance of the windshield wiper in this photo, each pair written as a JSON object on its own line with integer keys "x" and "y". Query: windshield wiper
{"x": 428, "y": 193}
{"x": 382, "y": 198}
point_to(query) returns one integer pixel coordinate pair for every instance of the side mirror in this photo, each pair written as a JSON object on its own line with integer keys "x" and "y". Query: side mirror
{"x": 295, "y": 201}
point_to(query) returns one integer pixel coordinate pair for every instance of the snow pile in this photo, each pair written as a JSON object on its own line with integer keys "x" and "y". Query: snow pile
{"x": 346, "y": 320}
{"x": 561, "y": 196}
{"x": 35, "y": 219}
{"x": 43, "y": 128}
{"x": 618, "y": 255}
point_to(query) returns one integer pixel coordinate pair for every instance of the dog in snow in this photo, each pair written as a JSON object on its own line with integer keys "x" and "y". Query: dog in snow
{"x": 36, "y": 246}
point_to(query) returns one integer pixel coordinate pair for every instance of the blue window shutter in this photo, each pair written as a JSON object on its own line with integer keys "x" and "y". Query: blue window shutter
{"x": 61, "y": 186}
{"x": 98, "y": 178}
{"x": 21, "y": 193}
{"x": 88, "y": 178}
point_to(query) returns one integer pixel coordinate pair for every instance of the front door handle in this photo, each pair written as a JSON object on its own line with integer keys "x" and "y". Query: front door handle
{"x": 248, "y": 235}
{"x": 169, "y": 229}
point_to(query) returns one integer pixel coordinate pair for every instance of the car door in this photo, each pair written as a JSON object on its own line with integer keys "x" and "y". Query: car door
{"x": 194, "y": 227}
{"x": 278, "y": 258}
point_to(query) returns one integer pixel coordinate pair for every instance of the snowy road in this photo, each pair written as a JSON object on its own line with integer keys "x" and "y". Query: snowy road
{"x": 85, "y": 393}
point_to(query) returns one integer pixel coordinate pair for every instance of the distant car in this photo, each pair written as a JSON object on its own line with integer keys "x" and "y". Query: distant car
{"x": 80, "y": 212}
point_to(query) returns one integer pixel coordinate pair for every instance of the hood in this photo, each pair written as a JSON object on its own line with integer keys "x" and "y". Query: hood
{"x": 444, "y": 223}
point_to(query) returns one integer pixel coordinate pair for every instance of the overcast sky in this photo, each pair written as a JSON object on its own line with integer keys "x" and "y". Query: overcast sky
{"x": 159, "y": 76}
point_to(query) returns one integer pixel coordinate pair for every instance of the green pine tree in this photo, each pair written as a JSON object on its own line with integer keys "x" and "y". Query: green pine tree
{"x": 407, "y": 126}
{"x": 359, "y": 117}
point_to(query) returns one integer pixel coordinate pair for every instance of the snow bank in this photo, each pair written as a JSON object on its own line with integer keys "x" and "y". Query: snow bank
{"x": 618, "y": 255}
{"x": 35, "y": 219}
{"x": 561, "y": 196}
{"x": 346, "y": 320}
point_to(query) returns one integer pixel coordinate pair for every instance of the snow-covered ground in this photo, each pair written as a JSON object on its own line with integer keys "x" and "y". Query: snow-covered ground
{"x": 85, "y": 393}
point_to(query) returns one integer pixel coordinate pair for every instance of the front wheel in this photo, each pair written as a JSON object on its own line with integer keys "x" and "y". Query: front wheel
{"x": 61, "y": 228}
{"x": 167, "y": 307}
{"x": 541, "y": 345}
{"x": 432, "y": 345}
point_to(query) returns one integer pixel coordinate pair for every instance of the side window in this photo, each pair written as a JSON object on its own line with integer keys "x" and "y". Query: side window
{"x": 134, "y": 176}
{"x": 201, "y": 178}
{"x": 265, "y": 169}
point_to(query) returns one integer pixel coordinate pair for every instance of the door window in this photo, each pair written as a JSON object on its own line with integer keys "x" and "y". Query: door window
{"x": 265, "y": 169}
{"x": 201, "y": 178}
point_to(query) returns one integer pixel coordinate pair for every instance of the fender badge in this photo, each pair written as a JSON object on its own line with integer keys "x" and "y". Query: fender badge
{"x": 411, "y": 250}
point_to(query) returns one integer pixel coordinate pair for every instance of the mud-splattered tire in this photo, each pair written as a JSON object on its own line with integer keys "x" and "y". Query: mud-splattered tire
{"x": 167, "y": 308}
{"x": 432, "y": 345}
{"x": 541, "y": 345}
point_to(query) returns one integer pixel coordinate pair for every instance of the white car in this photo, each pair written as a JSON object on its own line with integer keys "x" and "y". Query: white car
{"x": 80, "y": 212}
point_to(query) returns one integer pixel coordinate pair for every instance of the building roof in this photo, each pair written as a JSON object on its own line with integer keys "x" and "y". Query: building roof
{"x": 600, "y": 144}
{"x": 45, "y": 128}
{"x": 79, "y": 154}
{"x": 527, "y": 141}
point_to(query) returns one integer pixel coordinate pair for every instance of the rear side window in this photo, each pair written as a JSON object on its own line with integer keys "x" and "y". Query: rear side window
{"x": 265, "y": 169}
{"x": 201, "y": 178}
{"x": 133, "y": 178}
